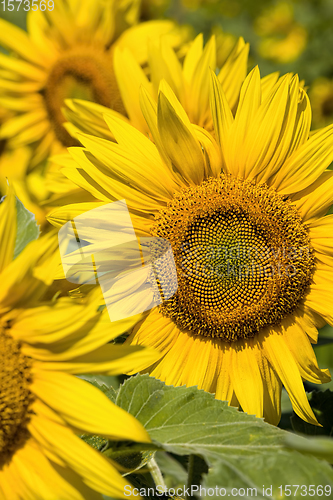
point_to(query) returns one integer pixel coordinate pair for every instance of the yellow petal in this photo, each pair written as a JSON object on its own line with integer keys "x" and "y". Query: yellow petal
{"x": 234, "y": 71}
{"x": 286, "y": 367}
{"x": 267, "y": 127}
{"x": 155, "y": 331}
{"x": 294, "y": 131}
{"x": 199, "y": 90}
{"x": 249, "y": 102}
{"x": 22, "y": 68}
{"x": 319, "y": 299}
{"x": 76, "y": 400}
{"x": 315, "y": 200}
{"x": 192, "y": 58}
{"x": 320, "y": 231}
{"x": 267, "y": 83}
{"x": 96, "y": 471}
{"x": 306, "y": 164}
{"x": 224, "y": 385}
{"x": 212, "y": 154}
{"x": 149, "y": 111}
{"x": 123, "y": 163}
{"x": 137, "y": 37}
{"x": 50, "y": 484}
{"x": 61, "y": 215}
{"x": 130, "y": 78}
{"x": 165, "y": 65}
{"x": 221, "y": 113}
{"x": 301, "y": 349}
{"x": 107, "y": 359}
{"x": 18, "y": 40}
{"x": 178, "y": 139}
{"x": 271, "y": 387}
{"x": 246, "y": 378}
{"x": 21, "y": 123}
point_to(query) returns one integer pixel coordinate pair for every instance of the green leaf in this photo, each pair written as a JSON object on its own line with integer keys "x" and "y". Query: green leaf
{"x": 175, "y": 476}
{"x": 106, "y": 383}
{"x": 319, "y": 447}
{"x": 97, "y": 442}
{"x": 27, "y": 228}
{"x": 242, "y": 451}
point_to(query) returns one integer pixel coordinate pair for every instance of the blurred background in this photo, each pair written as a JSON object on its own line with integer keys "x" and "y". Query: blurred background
{"x": 284, "y": 35}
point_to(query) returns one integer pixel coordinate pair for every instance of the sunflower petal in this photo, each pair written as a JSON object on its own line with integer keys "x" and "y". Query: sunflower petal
{"x": 95, "y": 470}
{"x": 286, "y": 368}
{"x": 246, "y": 378}
{"x": 301, "y": 349}
{"x": 179, "y": 140}
{"x": 315, "y": 200}
{"x": 66, "y": 394}
{"x": 306, "y": 164}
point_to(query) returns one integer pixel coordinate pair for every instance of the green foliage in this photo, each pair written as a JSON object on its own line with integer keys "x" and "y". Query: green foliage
{"x": 321, "y": 448}
{"x": 241, "y": 451}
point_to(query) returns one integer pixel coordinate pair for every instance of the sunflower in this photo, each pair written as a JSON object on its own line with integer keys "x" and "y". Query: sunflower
{"x": 246, "y": 222}
{"x": 67, "y": 52}
{"x": 41, "y": 403}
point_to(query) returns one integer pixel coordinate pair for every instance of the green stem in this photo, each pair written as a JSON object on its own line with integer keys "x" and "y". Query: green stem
{"x": 156, "y": 474}
{"x": 190, "y": 472}
{"x": 110, "y": 453}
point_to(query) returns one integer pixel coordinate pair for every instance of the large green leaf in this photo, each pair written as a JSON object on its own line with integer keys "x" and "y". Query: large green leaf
{"x": 242, "y": 451}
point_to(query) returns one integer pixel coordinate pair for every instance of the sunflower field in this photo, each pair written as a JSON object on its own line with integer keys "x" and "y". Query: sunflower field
{"x": 166, "y": 249}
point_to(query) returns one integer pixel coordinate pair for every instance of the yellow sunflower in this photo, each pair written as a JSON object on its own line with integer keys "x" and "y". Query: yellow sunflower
{"x": 67, "y": 52}
{"x": 42, "y": 405}
{"x": 246, "y": 222}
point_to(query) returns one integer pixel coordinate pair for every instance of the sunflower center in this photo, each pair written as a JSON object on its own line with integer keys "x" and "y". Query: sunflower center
{"x": 242, "y": 254}
{"x": 15, "y": 396}
{"x": 83, "y": 74}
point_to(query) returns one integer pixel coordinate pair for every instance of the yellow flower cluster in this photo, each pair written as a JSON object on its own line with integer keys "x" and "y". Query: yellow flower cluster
{"x": 216, "y": 160}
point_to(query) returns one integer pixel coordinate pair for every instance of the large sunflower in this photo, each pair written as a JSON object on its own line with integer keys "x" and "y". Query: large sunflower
{"x": 67, "y": 52}
{"x": 250, "y": 238}
{"x": 41, "y": 403}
